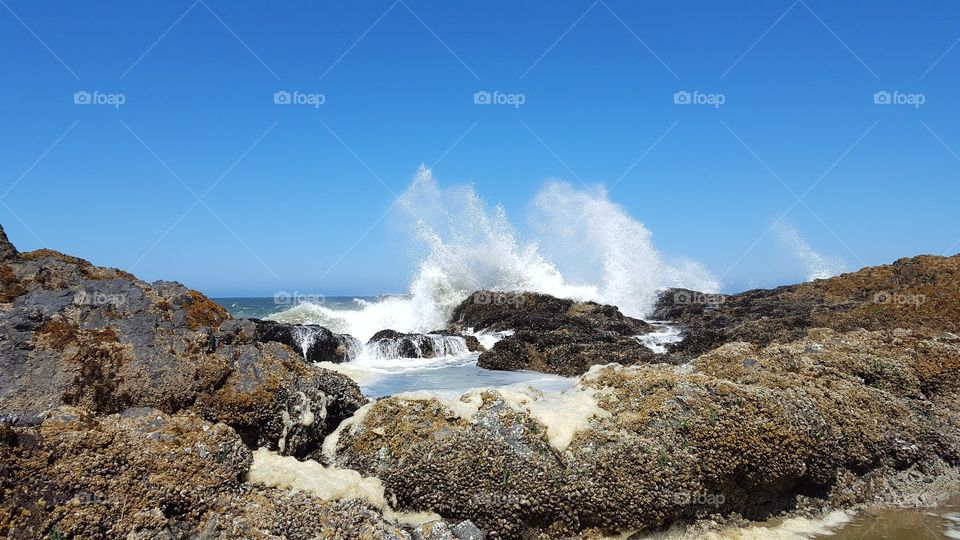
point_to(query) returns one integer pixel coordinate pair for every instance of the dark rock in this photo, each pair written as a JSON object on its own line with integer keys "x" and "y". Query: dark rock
{"x": 552, "y": 335}
{"x": 7, "y": 249}
{"x": 564, "y": 354}
{"x": 498, "y": 311}
{"x": 315, "y": 343}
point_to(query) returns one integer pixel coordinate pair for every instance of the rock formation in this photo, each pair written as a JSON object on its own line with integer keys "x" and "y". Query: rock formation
{"x": 551, "y": 335}
{"x": 140, "y": 410}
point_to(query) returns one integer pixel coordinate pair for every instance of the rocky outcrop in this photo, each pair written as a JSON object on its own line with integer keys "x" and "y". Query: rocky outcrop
{"x": 743, "y": 430}
{"x": 100, "y": 339}
{"x": 917, "y": 293}
{"x": 130, "y": 409}
{"x": 7, "y": 249}
{"x": 551, "y": 335}
{"x": 142, "y": 410}
{"x": 144, "y": 474}
{"x": 314, "y": 342}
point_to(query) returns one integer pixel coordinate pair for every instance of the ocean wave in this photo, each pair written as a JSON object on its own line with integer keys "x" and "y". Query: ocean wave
{"x": 582, "y": 246}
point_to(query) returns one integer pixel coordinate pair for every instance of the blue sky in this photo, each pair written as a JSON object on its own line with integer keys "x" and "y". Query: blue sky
{"x": 294, "y": 187}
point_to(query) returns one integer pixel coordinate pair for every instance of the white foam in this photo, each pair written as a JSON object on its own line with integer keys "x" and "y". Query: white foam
{"x": 435, "y": 344}
{"x": 663, "y": 335}
{"x": 488, "y": 339}
{"x": 563, "y": 414}
{"x": 328, "y": 483}
{"x": 952, "y": 529}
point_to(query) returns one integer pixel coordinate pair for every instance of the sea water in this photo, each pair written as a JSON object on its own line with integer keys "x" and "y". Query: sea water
{"x": 380, "y": 371}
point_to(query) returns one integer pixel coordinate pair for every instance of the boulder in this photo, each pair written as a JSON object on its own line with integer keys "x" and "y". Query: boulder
{"x": 314, "y": 342}
{"x": 551, "y": 335}
{"x": 102, "y": 340}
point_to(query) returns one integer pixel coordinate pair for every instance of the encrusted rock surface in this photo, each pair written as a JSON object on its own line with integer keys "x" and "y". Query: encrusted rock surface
{"x": 98, "y": 338}
{"x": 132, "y": 410}
{"x": 743, "y": 430}
{"x": 551, "y": 335}
{"x": 144, "y": 474}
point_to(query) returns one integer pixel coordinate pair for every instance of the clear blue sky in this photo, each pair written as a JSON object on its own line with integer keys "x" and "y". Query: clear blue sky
{"x": 798, "y": 82}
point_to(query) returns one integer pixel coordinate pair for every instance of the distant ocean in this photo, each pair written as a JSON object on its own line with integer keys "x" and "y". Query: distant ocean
{"x": 262, "y": 307}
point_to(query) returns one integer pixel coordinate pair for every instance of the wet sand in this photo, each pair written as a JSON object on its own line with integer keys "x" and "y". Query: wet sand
{"x": 904, "y": 524}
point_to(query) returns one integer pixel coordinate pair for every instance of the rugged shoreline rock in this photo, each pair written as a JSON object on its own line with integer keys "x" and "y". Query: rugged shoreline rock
{"x": 130, "y": 410}
{"x": 133, "y": 410}
{"x": 916, "y": 293}
{"x": 97, "y": 338}
{"x": 744, "y": 430}
{"x": 551, "y": 335}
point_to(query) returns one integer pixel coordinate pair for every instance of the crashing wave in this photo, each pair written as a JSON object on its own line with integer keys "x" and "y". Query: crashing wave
{"x": 584, "y": 247}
